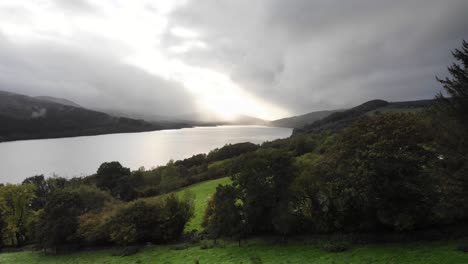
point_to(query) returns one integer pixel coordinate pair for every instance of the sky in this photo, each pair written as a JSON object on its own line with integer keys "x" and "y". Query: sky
{"x": 263, "y": 58}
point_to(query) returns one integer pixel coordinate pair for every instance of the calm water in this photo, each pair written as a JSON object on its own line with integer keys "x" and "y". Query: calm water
{"x": 81, "y": 156}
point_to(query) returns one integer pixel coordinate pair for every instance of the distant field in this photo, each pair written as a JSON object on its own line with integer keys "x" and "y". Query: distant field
{"x": 257, "y": 251}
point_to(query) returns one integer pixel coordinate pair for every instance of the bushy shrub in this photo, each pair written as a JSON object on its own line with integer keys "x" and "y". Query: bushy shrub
{"x": 141, "y": 221}
{"x": 58, "y": 224}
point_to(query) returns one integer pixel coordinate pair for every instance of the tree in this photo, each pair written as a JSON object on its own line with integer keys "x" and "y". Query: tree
{"x": 155, "y": 221}
{"x": 263, "y": 178}
{"x": 15, "y": 201}
{"x": 113, "y": 177}
{"x": 41, "y": 191}
{"x": 223, "y": 216}
{"x": 457, "y": 87}
{"x": 450, "y": 126}
{"x": 2, "y": 227}
{"x": 171, "y": 177}
{"x": 176, "y": 213}
{"x": 92, "y": 199}
{"x": 58, "y": 224}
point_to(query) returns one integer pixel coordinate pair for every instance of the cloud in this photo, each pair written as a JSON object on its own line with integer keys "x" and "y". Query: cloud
{"x": 266, "y": 58}
{"x": 80, "y": 57}
{"x": 308, "y": 55}
{"x": 75, "y": 5}
{"x": 93, "y": 79}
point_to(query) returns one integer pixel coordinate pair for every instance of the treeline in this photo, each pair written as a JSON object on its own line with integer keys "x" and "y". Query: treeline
{"x": 57, "y": 214}
{"x": 388, "y": 172}
{"x": 127, "y": 185}
{"x": 107, "y": 208}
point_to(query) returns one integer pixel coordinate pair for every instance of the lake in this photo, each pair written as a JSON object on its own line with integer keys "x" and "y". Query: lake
{"x": 81, "y": 156}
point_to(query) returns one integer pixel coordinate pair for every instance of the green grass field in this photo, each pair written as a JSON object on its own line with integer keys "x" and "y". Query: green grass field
{"x": 203, "y": 191}
{"x": 257, "y": 251}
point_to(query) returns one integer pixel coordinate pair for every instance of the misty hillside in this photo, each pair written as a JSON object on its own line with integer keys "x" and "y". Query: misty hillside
{"x": 25, "y": 117}
{"x": 214, "y": 119}
{"x": 341, "y": 119}
{"x": 58, "y": 101}
{"x": 301, "y": 120}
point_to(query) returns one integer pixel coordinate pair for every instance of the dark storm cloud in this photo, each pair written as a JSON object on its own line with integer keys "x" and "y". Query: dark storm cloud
{"x": 92, "y": 77}
{"x": 309, "y": 55}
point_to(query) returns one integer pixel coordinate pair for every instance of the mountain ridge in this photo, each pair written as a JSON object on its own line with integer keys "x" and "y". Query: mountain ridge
{"x": 25, "y": 117}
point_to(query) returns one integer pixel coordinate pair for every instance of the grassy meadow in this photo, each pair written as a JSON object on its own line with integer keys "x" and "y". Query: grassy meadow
{"x": 202, "y": 191}
{"x": 258, "y": 251}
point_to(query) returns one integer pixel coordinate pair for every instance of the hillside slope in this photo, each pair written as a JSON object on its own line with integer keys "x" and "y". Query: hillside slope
{"x": 25, "y": 117}
{"x": 341, "y": 119}
{"x": 203, "y": 191}
{"x": 301, "y": 120}
{"x": 58, "y": 100}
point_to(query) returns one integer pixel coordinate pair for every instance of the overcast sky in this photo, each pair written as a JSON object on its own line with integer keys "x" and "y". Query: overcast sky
{"x": 266, "y": 58}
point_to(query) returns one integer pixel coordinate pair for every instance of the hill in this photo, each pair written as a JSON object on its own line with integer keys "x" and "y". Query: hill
{"x": 301, "y": 120}
{"x": 341, "y": 119}
{"x": 58, "y": 101}
{"x": 25, "y": 117}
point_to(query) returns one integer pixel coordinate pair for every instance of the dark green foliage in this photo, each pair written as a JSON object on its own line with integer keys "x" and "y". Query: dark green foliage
{"x": 373, "y": 177}
{"x": 174, "y": 175}
{"x": 342, "y": 119}
{"x": 171, "y": 177}
{"x": 136, "y": 223}
{"x": 93, "y": 199}
{"x": 177, "y": 212}
{"x": 450, "y": 129}
{"x": 2, "y": 227}
{"x": 300, "y": 144}
{"x": 263, "y": 178}
{"x": 230, "y": 151}
{"x": 339, "y": 120}
{"x": 114, "y": 178}
{"x": 58, "y": 222}
{"x": 194, "y": 161}
{"x": 457, "y": 87}
{"x": 223, "y": 216}
{"x": 155, "y": 222}
{"x": 41, "y": 191}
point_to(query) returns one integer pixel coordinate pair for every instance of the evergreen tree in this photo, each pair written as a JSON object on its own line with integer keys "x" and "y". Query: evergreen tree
{"x": 457, "y": 87}
{"x": 450, "y": 126}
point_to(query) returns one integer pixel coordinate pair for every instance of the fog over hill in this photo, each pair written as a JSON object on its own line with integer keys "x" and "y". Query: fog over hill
{"x": 25, "y": 117}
